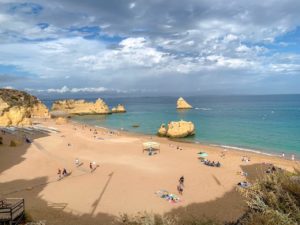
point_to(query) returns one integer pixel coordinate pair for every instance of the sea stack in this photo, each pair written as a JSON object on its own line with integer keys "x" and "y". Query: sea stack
{"x": 17, "y": 108}
{"x": 177, "y": 129}
{"x": 118, "y": 109}
{"x": 182, "y": 104}
{"x": 81, "y": 107}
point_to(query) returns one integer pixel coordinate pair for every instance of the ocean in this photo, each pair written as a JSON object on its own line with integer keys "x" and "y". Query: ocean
{"x": 270, "y": 124}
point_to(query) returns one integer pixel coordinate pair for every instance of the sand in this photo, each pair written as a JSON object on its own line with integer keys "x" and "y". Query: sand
{"x": 125, "y": 180}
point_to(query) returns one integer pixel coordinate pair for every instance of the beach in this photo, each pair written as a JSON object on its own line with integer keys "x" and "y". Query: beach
{"x": 126, "y": 177}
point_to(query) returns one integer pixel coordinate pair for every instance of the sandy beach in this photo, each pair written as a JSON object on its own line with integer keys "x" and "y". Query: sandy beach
{"x": 126, "y": 178}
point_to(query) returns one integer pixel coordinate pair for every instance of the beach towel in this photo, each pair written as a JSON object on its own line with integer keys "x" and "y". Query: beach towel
{"x": 171, "y": 198}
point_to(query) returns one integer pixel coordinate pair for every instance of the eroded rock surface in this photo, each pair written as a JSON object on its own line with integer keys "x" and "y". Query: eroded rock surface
{"x": 17, "y": 108}
{"x": 177, "y": 129}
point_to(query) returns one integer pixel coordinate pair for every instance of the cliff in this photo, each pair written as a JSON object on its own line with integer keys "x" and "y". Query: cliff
{"x": 118, "y": 109}
{"x": 182, "y": 104}
{"x": 177, "y": 129}
{"x": 81, "y": 107}
{"x": 17, "y": 108}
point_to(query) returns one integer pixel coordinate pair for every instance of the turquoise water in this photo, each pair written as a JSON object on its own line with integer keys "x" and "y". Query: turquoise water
{"x": 267, "y": 123}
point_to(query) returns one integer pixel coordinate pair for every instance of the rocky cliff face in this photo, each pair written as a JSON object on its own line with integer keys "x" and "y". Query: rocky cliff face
{"x": 182, "y": 104}
{"x": 118, "y": 109}
{"x": 81, "y": 107}
{"x": 177, "y": 129}
{"x": 17, "y": 108}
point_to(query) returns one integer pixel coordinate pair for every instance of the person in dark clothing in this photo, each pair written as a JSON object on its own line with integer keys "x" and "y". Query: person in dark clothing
{"x": 181, "y": 180}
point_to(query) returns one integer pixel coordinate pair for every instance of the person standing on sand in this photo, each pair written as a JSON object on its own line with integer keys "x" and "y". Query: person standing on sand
{"x": 59, "y": 173}
{"x": 181, "y": 180}
{"x": 180, "y": 188}
{"x": 91, "y": 167}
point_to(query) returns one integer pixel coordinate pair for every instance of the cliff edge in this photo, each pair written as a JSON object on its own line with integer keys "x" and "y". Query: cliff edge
{"x": 17, "y": 108}
{"x": 72, "y": 106}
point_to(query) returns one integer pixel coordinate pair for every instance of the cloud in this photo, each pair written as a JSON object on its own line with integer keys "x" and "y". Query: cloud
{"x": 123, "y": 45}
{"x": 66, "y": 89}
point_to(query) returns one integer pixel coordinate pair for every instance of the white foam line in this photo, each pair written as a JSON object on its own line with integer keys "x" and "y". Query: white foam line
{"x": 246, "y": 150}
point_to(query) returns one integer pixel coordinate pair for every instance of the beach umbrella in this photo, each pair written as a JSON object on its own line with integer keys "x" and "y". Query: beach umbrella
{"x": 202, "y": 154}
{"x": 151, "y": 145}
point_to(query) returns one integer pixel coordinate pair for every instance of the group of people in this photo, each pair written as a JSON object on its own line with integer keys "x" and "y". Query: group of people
{"x": 211, "y": 163}
{"x": 245, "y": 159}
{"x": 62, "y": 173}
{"x": 93, "y": 165}
{"x": 271, "y": 169}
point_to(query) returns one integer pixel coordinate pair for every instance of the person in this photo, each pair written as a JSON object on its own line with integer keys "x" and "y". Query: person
{"x": 77, "y": 162}
{"x": 64, "y": 173}
{"x": 282, "y": 155}
{"x": 293, "y": 157}
{"x": 218, "y": 164}
{"x": 91, "y": 167}
{"x": 150, "y": 151}
{"x": 180, "y": 188}
{"x": 181, "y": 180}
{"x": 59, "y": 173}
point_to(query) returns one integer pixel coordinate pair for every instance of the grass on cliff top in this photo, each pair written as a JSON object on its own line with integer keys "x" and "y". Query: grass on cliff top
{"x": 275, "y": 200}
{"x": 17, "y": 98}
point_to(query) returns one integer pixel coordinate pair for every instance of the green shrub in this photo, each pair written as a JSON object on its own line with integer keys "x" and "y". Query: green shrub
{"x": 274, "y": 200}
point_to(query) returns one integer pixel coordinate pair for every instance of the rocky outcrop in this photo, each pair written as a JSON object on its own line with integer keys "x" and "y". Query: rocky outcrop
{"x": 178, "y": 129}
{"x": 118, "y": 109}
{"x": 61, "y": 121}
{"x": 17, "y": 108}
{"x": 182, "y": 104}
{"x": 81, "y": 107}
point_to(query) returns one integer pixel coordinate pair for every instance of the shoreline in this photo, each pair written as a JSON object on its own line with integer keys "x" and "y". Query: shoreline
{"x": 185, "y": 140}
{"x": 221, "y": 147}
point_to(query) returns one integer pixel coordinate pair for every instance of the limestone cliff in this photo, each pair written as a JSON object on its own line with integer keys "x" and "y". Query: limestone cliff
{"x": 118, "y": 109}
{"x": 18, "y": 107}
{"x": 177, "y": 129}
{"x": 72, "y": 106}
{"x": 182, "y": 104}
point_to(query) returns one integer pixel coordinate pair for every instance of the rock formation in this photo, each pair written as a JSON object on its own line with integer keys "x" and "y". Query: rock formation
{"x": 81, "y": 107}
{"x": 17, "y": 108}
{"x": 178, "y": 129}
{"x": 61, "y": 121}
{"x": 182, "y": 104}
{"x": 118, "y": 109}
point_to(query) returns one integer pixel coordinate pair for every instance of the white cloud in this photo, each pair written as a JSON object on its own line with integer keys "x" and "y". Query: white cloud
{"x": 66, "y": 89}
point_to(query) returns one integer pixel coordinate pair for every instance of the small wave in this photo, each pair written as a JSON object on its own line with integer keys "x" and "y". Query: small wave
{"x": 204, "y": 109}
{"x": 246, "y": 150}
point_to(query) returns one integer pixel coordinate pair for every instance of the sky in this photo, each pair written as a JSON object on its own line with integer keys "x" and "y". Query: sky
{"x": 150, "y": 47}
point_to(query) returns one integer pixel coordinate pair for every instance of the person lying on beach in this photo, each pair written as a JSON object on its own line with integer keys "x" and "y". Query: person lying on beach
{"x": 213, "y": 164}
{"x": 244, "y": 184}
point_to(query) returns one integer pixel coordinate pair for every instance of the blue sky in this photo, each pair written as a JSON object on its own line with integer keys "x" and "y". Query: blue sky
{"x": 150, "y": 47}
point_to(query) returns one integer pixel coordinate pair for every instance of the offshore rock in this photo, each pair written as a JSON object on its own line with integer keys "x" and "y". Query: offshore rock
{"x": 17, "y": 108}
{"x": 118, "y": 109}
{"x": 81, "y": 107}
{"x": 182, "y": 104}
{"x": 178, "y": 129}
